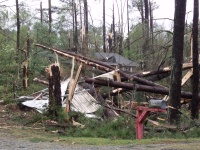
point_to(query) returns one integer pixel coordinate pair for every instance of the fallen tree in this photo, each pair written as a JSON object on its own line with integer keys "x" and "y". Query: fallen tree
{"x": 164, "y": 70}
{"x": 137, "y": 87}
{"x": 100, "y": 65}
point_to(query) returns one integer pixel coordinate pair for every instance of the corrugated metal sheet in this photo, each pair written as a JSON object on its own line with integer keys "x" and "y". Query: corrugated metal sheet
{"x": 84, "y": 102}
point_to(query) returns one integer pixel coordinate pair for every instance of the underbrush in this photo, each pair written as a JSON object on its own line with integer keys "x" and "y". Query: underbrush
{"x": 120, "y": 128}
{"x": 123, "y": 127}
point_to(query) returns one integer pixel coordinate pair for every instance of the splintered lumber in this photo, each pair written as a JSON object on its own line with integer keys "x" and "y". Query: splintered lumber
{"x": 100, "y": 66}
{"x": 72, "y": 89}
{"x": 138, "y": 87}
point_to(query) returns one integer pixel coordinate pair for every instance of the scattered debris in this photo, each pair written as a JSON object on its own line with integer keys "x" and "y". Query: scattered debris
{"x": 82, "y": 101}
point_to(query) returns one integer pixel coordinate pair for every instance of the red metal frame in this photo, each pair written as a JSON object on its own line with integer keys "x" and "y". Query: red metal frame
{"x": 142, "y": 113}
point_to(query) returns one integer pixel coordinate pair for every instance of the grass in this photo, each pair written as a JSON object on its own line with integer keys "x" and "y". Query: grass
{"x": 96, "y": 132}
{"x": 42, "y": 136}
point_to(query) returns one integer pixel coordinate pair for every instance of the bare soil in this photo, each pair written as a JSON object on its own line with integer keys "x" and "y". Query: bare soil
{"x": 16, "y": 132}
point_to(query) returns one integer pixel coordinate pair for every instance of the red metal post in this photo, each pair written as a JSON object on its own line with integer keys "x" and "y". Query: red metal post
{"x": 142, "y": 113}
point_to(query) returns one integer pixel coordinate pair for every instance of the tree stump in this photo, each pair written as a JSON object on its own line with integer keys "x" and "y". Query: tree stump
{"x": 55, "y": 101}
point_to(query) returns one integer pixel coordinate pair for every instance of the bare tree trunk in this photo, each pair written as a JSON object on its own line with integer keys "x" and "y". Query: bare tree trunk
{"x": 151, "y": 22}
{"x": 18, "y": 46}
{"x": 104, "y": 28}
{"x": 73, "y": 24}
{"x": 128, "y": 38}
{"x": 18, "y": 28}
{"x": 55, "y": 101}
{"x": 41, "y": 13}
{"x": 142, "y": 11}
{"x": 80, "y": 14}
{"x": 69, "y": 39}
{"x": 146, "y": 27}
{"x": 114, "y": 34}
{"x": 146, "y": 6}
{"x": 110, "y": 40}
{"x": 177, "y": 58}
{"x": 76, "y": 29}
{"x": 195, "y": 61}
{"x": 50, "y": 21}
{"x": 85, "y": 40}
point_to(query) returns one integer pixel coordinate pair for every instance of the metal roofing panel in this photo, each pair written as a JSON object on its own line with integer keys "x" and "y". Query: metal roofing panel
{"x": 84, "y": 102}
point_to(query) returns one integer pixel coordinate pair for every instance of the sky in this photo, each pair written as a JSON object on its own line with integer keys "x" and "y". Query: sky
{"x": 165, "y": 10}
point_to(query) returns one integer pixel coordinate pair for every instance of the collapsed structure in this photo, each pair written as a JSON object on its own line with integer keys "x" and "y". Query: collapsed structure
{"x": 88, "y": 101}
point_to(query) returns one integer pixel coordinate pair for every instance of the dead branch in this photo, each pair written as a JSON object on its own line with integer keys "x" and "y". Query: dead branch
{"x": 41, "y": 81}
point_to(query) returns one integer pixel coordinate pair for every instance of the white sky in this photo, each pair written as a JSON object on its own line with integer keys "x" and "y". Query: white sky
{"x": 165, "y": 10}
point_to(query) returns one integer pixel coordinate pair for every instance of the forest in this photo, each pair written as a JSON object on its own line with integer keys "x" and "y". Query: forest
{"x": 122, "y": 65}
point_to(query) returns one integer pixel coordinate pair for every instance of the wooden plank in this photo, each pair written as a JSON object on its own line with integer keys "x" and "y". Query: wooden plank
{"x": 187, "y": 76}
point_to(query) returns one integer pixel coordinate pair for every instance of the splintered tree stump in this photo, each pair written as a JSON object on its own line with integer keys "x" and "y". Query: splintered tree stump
{"x": 55, "y": 101}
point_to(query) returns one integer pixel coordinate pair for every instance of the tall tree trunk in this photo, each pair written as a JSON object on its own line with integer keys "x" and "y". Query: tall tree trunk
{"x": 69, "y": 39}
{"x": 104, "y": 28}
{"x": 114, "y": 34}
{"x": 195, "y": 61}
{"x": 41, "y": 13}
{"x": 18, "y": 43}
{"x": 85, "y": 41}
{"x": 151, "y": 22}
{"x": 146, "y": 27}
{"x": 110, "y": 39}
{"x": 177, "y": 58}
{"x": 128, "y": 39}
{"x": 73, "y": 24}
{"x": 80, "y": 14}
{"x": 76, "y": 29}
{"x": 146, "y": 10}
{"x": 50, "y": 21}
{"x": 142, "y": 11}
{"x": 18, "y": 28}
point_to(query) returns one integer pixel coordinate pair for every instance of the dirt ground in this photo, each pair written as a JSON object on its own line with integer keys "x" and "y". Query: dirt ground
{"x": 16, "y": 134}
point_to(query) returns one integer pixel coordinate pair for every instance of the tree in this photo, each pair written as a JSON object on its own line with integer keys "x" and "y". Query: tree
{"x": 50, "y": 22}
{"x": 128, "y": 40}
{"x": 85, "y": 38}
{"x": 177, "y": 59}
{"x": 195, "y": 61}
{"x": 18, "y": 27}
{"x": 104, "y": 28}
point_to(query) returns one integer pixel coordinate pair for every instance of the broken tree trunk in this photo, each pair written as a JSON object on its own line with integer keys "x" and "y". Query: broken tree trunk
{"x": 130, "y": 86}
{"x": 55, "y": 101}
{"x": 25, "y": 64}
{"x": 100, "y": 66}
{"x": 72, "y": 89}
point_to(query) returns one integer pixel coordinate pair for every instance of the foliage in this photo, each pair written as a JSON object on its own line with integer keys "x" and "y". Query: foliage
{"x": 120, "y": 128}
